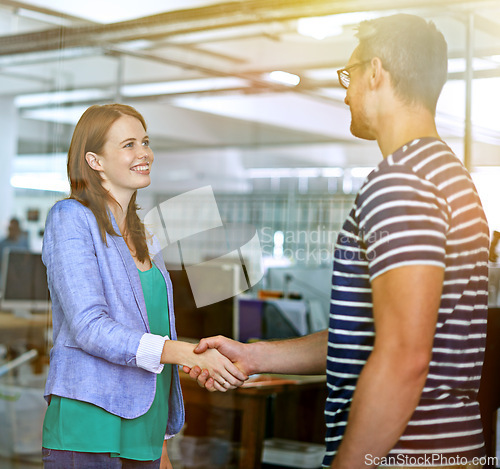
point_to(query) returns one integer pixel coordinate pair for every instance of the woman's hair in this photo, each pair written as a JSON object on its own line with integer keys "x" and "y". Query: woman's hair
{"x": 90, "y": 135}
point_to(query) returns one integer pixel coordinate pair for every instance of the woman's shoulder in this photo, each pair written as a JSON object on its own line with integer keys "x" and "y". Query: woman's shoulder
{"x": 69, "y": 212}
{"x": 68, "y": 206}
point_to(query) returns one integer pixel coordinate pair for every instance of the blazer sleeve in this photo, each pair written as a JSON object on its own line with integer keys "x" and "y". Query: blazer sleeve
{"x": 69, "y": 253}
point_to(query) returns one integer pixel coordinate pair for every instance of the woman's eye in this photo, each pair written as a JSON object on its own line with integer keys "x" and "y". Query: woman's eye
{"x": 146, "y": 143}
{"x": 130, "y": 144}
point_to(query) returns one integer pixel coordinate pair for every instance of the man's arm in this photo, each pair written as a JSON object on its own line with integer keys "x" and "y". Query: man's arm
{"x": 302, "y": 355}
{"x": 405, "y": 308}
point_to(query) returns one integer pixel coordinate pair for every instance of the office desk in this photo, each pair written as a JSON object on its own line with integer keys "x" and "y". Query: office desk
{"x": 489, "y": 391}
{"x": 13, "y": 327}
{"x": 31, "y": 331}
{"x": 251, "y": 401}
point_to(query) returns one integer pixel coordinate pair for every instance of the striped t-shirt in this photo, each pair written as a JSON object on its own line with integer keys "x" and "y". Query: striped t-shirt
{"x": 419, "y": 206}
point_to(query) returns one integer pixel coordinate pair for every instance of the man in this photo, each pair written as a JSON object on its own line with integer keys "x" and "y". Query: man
{"x": 407, "y": 328}
{"x": 15, "y": 239}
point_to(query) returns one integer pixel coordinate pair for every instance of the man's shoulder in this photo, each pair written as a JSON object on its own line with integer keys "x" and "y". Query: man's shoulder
{"x": 415, "y": 163}
{"x": 423, "y": 155}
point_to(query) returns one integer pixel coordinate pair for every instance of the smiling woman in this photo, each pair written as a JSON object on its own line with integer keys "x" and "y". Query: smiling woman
{"x": 111, "y": 367}
{"x": 120, "y": 160}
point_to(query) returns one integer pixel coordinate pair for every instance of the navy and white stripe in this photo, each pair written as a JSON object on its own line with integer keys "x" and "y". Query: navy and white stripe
{"x": 419, "y": 206}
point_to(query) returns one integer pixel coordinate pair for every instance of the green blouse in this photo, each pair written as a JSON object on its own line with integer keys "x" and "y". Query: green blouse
{"x": 80, "y": 426}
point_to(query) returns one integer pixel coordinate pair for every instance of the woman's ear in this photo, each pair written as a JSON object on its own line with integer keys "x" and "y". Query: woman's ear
{"x": 93, "y": 161}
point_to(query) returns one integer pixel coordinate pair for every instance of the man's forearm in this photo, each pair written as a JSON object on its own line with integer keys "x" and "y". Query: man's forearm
{"x": 387, "y": 393}
{"x": 303, "y": 355}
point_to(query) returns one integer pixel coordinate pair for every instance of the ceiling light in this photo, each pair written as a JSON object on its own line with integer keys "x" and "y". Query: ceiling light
{"x": 458, "y": 65}
{"x": 183, "y": 86}
{"x": 332, "y": 172}
{"x": 47, "y": 181}
{"x": 283, "y": 78}
{"x": 322, "y": 74}
{"x": 361, "y": 172}
{"x": 60, "y": 97}
{"x": 62, "y": 115}
{"x": 107, "y": 11}
{"x": 259, "y": 173}
{"x": 321, "y": 27}
{"x": 43, "y": 17}
{"x": 136, "y": 44}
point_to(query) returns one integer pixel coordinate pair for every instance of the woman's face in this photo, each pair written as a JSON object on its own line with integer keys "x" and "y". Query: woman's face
{"x": 126, "y": 159}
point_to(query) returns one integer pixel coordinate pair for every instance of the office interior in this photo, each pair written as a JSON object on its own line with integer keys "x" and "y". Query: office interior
{"x": 245, "y": 111}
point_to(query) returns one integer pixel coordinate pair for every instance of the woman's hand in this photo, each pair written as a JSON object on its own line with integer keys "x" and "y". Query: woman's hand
{"x": 225, "y": 374}
{"x": 165, "y": 460}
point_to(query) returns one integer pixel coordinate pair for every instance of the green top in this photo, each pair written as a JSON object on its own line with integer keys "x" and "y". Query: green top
{"x": 80, "y": 426}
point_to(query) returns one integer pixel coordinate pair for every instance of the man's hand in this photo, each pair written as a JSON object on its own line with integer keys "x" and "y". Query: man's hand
{"x": 303, "y": 355}
{"x": 224, "y": 374}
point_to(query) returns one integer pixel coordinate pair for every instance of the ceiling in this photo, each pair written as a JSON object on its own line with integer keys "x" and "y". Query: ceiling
{"x": 214, "y": 113}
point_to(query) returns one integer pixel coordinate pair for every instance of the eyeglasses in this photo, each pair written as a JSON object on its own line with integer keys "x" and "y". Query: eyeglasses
{"x": 345, "y": 74}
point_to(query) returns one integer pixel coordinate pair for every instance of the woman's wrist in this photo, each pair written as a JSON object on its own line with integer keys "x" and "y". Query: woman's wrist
{"x": 178, "y": 353}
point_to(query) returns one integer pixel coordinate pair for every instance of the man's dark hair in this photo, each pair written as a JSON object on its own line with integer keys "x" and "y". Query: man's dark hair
{"x": 412, "y": 50}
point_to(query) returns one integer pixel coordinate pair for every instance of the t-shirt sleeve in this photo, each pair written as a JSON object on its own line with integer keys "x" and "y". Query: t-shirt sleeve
{"x": 402, "y": 221}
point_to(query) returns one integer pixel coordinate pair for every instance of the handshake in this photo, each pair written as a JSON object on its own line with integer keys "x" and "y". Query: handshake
{"x": 220, "y": 363}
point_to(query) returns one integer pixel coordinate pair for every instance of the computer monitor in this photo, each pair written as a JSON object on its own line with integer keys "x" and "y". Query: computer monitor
{"x": 24, "y": 283}
{"x": 312, "y": 284}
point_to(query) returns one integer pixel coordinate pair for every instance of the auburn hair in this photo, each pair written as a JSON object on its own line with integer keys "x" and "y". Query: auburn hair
{"x": 90, "y": 135}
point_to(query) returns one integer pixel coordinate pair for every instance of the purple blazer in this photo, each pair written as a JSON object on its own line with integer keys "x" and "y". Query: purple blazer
{"x": 99, "y": 316}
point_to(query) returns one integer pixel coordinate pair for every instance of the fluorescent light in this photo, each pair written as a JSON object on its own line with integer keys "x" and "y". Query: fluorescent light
{"x": 486, "y": 169}
{"x": 112, "y": 12}
{"x": 322, "y": 74}
{"x": 43, "y": 17}
{"x": 136, "y": 44}
{"x": 321, "y": 27}
{"x": 459, "y": 64}
{"x": 63, "y": 115}
{"x": 264, "y": 173}
{"x": 48, "y": 181}
{"x": 361, "y": 172}
{"x": 283, "y": 78}
{"x": 332, "y": 172}
{"x": 318, "y": 28}
{"x": 258, "y": 173}
{"x": 59, "y": 97}
{"x": 50, "y": 55}
{"x": 148, "y": 89}
{"x": 183, "y": 86}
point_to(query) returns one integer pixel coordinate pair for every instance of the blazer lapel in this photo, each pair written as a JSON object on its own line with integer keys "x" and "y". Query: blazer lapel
{"x": 131, "y": 270}
{"x": 160, "y": 263}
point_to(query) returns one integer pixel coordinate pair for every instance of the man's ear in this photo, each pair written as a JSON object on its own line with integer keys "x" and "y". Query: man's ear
{"x": 377, "y": 72}
{"x": 93, "y": 161}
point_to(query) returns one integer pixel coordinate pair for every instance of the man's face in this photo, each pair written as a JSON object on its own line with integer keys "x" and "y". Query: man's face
{"x": 356, "y": 97}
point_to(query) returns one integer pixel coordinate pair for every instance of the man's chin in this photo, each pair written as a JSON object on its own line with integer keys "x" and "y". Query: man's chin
{"x": 364, "y": 134}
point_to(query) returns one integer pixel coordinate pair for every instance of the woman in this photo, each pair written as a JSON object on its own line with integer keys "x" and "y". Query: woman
{"x": 112, "y": 390}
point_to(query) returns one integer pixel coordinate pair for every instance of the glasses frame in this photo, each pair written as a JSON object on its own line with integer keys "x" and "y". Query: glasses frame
{"x": 344, "y": 74}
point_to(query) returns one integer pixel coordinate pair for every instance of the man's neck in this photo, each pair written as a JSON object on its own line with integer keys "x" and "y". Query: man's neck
{"x": 403, "y": 126}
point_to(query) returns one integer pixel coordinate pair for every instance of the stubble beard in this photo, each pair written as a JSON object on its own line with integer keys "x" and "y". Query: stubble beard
{"x": 360, "y": 127}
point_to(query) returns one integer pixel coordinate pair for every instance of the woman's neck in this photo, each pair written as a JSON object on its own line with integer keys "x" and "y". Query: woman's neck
{"x": 120, "y": 214}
